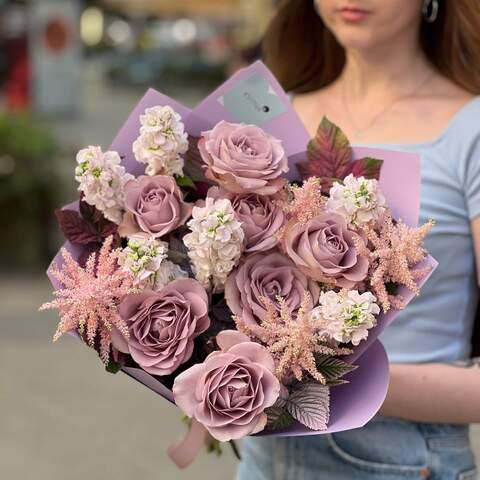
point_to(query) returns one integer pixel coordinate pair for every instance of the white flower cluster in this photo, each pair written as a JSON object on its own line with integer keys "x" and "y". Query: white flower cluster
{"x": 102, "y": 179}
{"x": 215, "y": 242}
{"x": 168, "y": 272}
{"x": 161, "y": 142}
{"x": 358, "y": 200}
{"x": 347, "y": 315}
{"x": 142, "y": 257}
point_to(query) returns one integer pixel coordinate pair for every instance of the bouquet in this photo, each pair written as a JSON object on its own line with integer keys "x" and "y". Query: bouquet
{"x": 238, "y": 268}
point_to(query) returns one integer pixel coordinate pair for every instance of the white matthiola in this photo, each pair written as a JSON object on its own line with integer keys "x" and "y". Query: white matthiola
{"x": 214, "y": 243}
{"x": 161, "y": 141}
{"x": 168, "y": 272}
{"x": 143, "y": 257}
{"x": 102, "y": 180}
{"x": 347, "y": 315}
{"x": 358, "y": 200}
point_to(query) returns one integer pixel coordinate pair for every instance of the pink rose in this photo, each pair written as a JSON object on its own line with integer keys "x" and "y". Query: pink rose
{"x": 153, "y": 205}
{"x": 230, "y": 390}
{"x": 324, "y": 248}
{"x": 266, "y": 276}
{"x": 163, "y": 324}
{"x": 243, "y": 158}
{"x": 261, "y": 219}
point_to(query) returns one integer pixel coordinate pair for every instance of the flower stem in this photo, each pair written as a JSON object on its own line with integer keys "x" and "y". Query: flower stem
{"x": 235, "y": 450}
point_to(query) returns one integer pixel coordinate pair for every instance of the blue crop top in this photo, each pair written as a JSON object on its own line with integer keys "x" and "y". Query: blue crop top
{"x": 437, "y": 325}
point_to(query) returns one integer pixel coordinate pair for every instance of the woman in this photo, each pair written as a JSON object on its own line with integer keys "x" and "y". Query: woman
{"x": 403, "y": 75}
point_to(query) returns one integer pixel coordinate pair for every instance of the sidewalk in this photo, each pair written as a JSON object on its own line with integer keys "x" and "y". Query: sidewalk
{"x": 64, "y": 418}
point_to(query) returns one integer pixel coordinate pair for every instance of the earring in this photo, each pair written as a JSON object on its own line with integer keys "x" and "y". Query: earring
{"x": 430, "y": 14}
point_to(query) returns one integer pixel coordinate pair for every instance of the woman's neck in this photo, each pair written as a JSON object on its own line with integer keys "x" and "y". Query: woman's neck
{"x": 384, "y": 72}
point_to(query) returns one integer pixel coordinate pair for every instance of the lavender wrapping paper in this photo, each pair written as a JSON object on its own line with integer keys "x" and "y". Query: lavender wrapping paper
{"x": 352, "y": 404}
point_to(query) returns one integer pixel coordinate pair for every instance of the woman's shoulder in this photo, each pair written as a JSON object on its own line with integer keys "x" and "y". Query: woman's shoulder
{"x": 461, "y": 108}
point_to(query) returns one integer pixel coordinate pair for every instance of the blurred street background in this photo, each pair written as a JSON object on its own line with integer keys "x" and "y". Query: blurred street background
{"x": 70, "y": 73}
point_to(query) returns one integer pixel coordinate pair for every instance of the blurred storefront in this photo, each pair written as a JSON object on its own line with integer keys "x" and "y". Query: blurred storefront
{"x": 70, "y": 72}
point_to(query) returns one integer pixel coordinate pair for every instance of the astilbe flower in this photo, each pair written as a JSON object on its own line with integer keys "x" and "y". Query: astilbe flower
{"x": 294, "y": 340}
{"x": 305, "y": 202}
{"x": 394, "y": 249}
{"x": 88, "y": 302}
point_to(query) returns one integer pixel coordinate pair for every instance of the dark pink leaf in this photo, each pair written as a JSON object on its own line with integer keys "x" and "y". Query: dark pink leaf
{"x": 329, "y": 154}
{"x": 367, "y": 167}
{"x": 84, "y": 256}
{"x": 75, "y": 228}
{"x": 194, "y": 165}
{"x": 87, "y": 211}
{"x": 99, "y": 223}
{"x": 309, "y": 404}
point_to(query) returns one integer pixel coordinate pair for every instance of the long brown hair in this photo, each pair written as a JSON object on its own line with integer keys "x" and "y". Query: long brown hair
{"x": 304, "y": 55}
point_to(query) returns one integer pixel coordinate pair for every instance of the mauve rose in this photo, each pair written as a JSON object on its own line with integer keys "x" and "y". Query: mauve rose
{"x": 324, "y": 248}
{"x": 266, "y": 275}
{"x": 163, "y": 324}
{"x": 153, "y": 205}
{"x": 243, "y": 158}
{"x": 261, "y": 219}
{"x": 229, "y": 392}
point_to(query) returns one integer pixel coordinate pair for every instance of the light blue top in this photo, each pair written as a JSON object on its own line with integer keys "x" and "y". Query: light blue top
{"x": 437, "y": 325}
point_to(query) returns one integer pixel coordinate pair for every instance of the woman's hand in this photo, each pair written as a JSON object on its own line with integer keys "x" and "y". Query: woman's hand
{"x": 434, "y": 393}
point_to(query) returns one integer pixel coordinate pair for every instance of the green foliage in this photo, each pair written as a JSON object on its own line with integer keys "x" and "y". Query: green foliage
{"x": 333, "y": 368}
{"x": 277, "y": 418}
{"x": 392, "y": 288}
{"x": 29, "y": 191}
{"x": 309, "y": 404}
{"x": 214, "y": 446}
{"x": 113, "y": 367}
{"x": 185, "y": 182}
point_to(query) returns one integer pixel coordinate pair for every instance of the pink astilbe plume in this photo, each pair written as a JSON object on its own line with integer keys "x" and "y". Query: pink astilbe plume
{"x": 90, "y": 296}
{"x": 394, "y": 250}
{"x": 307, "y": 201}
{"x": 292, "y": 340}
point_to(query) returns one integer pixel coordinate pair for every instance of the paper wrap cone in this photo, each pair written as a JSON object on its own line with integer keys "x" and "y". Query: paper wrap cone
{"x": 253, "y": 95}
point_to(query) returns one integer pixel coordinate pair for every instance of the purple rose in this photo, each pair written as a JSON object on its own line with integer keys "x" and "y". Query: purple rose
{"x": 229, "y": 392}
{"x": 266, "y": 276}
{"x": 163, "y": 324}
{"x": 261, "y": 219}
{"x": 324, "y": 249}
{"x": 243, "y": 158}
{"x": 153, "y": 205}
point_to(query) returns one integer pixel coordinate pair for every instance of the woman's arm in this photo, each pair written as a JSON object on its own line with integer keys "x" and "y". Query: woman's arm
{"x": 476, "y": 244}
{"x": 436, "y": 392}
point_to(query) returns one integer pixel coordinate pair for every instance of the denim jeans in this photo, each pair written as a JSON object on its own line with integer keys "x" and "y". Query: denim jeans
{"x": 384, "y": 449}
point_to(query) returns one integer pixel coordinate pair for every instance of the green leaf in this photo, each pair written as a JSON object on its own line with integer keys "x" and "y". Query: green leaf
{"x": 392, "y": 288}
{"x": 332, "y": 368}
{"x": 113, "y": 367}
{"x": 277, "y": 418}
{"x": 214, "y": 446}
{"x": 336, "y": 382}
{"x": 367, "y": 167}
{"x": 185, "y": 182}
{"x": 328, "y": 153}
{"x": 310, "y": 405}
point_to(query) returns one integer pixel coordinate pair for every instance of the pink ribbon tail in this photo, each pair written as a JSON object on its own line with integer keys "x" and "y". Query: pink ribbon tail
{"x": 184, "y": 451}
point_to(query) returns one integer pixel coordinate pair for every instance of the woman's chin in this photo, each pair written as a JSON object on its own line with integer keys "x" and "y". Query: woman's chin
{"x": 358, "y": 39}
